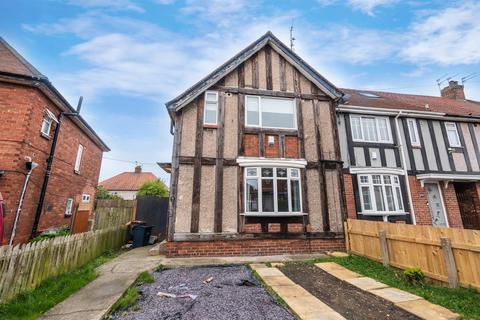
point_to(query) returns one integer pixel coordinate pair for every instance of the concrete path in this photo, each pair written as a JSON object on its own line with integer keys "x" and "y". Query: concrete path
{"x": 303, "y": 303}
{"x": 94, "y": 300}
{"x": 409, "y": 302}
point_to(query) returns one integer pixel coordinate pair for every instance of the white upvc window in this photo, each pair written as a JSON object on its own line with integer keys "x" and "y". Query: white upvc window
{"x": 413, "y": 132}
{"x": 47, "y": 121}
{"x": 85, "y": 198}
{"x": 272, "y": 190}
{"x": 452, "y": 135}
{"x": 78, "y": 160}
{"x": 270, "y": 112}
{"x": 210, "y": 112}
{"x": 371, "y": 129}
{"x": 380, "y": 193}
{"x": 69, "y": 207}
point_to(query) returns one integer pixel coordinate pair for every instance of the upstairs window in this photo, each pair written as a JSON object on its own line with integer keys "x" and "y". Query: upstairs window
{"x": 370, "y": 129}
{"x": 85, "y": 198}
{"x": 413, "y": 132}
{"x": 452, "y": 135}
{"x": 210, "y": 113}
{"x": 78, "y": 160}
{"x": 380, "y": 193}
{"x": 48, "y": 119}
{"x": 277, "y": 113}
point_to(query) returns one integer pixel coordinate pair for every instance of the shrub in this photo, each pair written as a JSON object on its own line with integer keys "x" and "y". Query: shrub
{"x": 103, "y": 193}
{"x": 414, "y": 276}
{"x": 153, "y": 188}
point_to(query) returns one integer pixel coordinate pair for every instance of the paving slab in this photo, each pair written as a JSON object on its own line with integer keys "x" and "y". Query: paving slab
{"x": 394, "y": 295}
{"x": 337, "y": 270}
{"x": 303, "y": 303}
{"x": 366, "y": 283}
{"x": 428, "y": 311}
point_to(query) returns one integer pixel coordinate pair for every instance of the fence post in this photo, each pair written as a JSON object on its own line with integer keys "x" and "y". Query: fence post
{"x": 449, "y": 262}
{"x": 347, "y": 237}
{"x": 384, "y": 248}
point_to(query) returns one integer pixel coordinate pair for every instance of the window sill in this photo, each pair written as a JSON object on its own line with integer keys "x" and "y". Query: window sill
{"x": 273, "y": 214}
{"x": 210, "y": 126}
{"x": 46, "y": 136}
{"x": 383, "y": 213}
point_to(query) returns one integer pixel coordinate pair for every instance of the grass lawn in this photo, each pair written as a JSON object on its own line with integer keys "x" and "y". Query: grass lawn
{"x": 33, "y": 303}
{"x": 465, "y": 302}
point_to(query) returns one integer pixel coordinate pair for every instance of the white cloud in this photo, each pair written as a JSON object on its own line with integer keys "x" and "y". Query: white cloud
{"x": 366, "y": 6}
{"x": 448, "y": 37}
{"x": 108, "y": 4}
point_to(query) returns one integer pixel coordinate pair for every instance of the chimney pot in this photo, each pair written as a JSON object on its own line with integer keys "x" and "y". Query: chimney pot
{"x": 138, "y": 169}
{"x": 453, "y": 91}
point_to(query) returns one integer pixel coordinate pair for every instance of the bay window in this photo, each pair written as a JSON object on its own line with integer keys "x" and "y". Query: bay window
{"x": 268, "y": 112}
{"x": 380, "y": 193}
{"x": 370, "y": 129}
{"x": 272, "y": 190}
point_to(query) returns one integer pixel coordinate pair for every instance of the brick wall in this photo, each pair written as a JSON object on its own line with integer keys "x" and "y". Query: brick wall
{"x": 349, "y": 196}
{"x": 272, "y": 150}
{"x": 21, "y": 110}
{"x": 451, "y": 205}
{"x": 250, "y": 142}
{"x": 254, "y": 247}
{"x": 252, "y": 147}
{"x": 291, "y": 147}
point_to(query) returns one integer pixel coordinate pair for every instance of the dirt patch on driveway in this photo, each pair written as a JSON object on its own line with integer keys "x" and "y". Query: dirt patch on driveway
{"x": 223, "y": 292}
{"x": 348, "y": 300}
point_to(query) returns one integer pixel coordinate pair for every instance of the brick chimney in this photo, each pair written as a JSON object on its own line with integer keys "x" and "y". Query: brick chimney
{"x": 138, "y": 169}
{"x": 453, "y": 91}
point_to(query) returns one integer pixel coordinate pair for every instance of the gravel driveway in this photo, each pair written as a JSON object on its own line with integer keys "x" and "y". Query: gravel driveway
{"x": 232, "y": 293}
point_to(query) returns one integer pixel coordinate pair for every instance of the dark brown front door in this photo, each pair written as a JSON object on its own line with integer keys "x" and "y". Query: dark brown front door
{"x": 469, "y": 203}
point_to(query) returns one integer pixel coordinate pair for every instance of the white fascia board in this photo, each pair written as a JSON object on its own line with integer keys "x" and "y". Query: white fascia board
{"x": 448, "y": 177}
{"x": 268, "y": 162}
{"x": 379, "y": 170}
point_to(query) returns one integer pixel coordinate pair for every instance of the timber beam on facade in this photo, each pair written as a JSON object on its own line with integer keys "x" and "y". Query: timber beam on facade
{"x": 272, "y": 93}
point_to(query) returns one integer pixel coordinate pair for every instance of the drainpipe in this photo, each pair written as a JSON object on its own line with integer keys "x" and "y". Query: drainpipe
{"x": 20, "y": 204}
{"x": 48, "y": 171}
{"x": 404, "y": 167}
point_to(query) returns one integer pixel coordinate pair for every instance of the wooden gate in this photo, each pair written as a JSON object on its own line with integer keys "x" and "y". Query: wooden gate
{"x": 153, "y": 210}
{"x": 469, "y": 211}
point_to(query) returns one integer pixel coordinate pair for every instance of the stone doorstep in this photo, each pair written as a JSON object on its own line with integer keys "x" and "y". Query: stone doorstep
{"x": 304, "y": 304}
{"x": 409, "y": 302}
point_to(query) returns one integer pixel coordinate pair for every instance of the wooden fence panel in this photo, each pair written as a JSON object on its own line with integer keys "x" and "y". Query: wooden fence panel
{"x": 420, "y": 246}
{"x": 26, "y": 266}
{"x": 113, "y": 213}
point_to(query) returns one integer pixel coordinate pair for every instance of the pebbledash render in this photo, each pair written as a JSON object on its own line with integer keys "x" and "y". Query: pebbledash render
{"x": 269, "y": 157}
{"x": 256, "y": 168}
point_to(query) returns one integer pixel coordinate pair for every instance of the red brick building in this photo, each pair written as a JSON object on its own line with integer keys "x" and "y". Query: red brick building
{"x": 30, "y": 107}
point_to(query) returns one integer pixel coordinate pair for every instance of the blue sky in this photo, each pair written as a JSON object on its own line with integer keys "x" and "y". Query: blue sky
{"x": 128, "y": 57}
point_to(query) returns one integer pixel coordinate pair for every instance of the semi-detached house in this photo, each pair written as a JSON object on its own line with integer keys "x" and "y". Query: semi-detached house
{"x": 270, "y": 157}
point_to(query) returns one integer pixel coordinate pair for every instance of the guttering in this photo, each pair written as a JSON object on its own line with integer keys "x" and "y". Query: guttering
{"x": 404, "y": 167}
{"x": 405, "y": 113}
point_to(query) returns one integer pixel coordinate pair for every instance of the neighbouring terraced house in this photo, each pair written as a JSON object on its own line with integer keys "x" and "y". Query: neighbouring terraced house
{"x": 270, "y": 157}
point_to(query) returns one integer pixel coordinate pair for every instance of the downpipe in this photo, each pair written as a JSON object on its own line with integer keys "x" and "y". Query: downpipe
{"x": 404, "y": 167}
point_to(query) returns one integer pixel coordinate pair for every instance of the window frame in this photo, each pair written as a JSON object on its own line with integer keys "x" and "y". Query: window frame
{"x": 86, "y": 198}
{"x": 258, "y": 177}
{"x": 78, "y": 159}
{"x": 260, "y": 120}
{"x": 69, "y": 207}
{"x": 399, "y": 204}
{"x": 414, "y": 133}
{"x": 377, "y": 128}
{"x": 205, "y": 108}
{"x": 446, "y": 124}
{"x": 49, "y": 123}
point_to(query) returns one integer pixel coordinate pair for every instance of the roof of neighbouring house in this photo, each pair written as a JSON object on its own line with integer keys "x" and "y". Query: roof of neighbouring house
{"x": 391, "y": 100}
{"x": 13, "y": 65}
{"x": 128, "y": 181}
{"x": 267, "y": 39}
